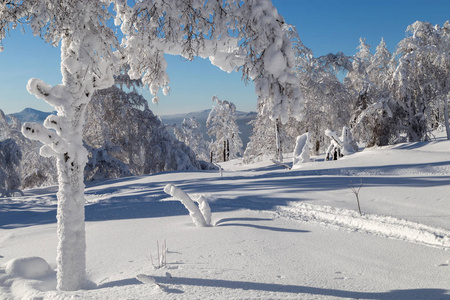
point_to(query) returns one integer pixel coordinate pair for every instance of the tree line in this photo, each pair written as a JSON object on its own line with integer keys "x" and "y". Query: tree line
{"x": 385, "y": 98}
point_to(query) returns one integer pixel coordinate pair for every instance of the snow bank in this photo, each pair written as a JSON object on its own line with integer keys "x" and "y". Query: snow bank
{"x": 384, "y": 226}
{"x": 28, "y": 267}
{"x": 28, "y": 277}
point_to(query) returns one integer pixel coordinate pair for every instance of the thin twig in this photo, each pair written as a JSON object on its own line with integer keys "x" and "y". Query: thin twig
{"x": 356, "y": 192}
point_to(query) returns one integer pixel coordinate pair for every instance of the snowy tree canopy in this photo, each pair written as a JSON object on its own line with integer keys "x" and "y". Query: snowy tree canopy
{"x": 128, "y": 139}
{"x": 21, "y": 165}
{"x": 421, "y": 79}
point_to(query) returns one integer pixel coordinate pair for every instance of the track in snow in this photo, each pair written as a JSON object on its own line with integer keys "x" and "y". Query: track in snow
{"x": 384, "y": 226}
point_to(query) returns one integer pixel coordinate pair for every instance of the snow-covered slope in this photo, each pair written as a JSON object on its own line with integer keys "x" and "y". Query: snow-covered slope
{"x": 278, "y": 234}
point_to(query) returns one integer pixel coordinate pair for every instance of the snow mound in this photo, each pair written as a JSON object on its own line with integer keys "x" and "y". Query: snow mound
{"x": 28, "y": 267}
{"x": 384, "y": 226}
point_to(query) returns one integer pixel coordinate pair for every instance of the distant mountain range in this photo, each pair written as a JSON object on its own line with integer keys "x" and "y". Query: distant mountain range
{"x": 33, "y": 115}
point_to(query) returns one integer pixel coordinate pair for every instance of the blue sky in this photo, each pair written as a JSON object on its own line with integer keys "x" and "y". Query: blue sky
{"x": 324, "y": 26}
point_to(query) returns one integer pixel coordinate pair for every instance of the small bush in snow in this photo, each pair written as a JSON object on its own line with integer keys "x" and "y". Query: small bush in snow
{"x": 162, "y": 256}
{"x": 356, "y": 192}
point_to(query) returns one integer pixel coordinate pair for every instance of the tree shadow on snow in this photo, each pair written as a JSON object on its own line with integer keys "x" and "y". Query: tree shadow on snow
{"x": 298, "y": 289}
{"x": 19, "y": 214}
{"x": 134, "y": 281}
{"x": 143, "y": 197}
{"x": 221, "y": 222}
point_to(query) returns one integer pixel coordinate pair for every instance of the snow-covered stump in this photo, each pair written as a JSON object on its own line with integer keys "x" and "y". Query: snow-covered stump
{"x": 349, "y": 145}
{"x": 201, "y": 215}
{"x": 301, "y": 150}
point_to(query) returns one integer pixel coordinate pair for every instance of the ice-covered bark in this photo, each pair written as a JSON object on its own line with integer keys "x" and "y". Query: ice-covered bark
{"x": 86, "y": 65}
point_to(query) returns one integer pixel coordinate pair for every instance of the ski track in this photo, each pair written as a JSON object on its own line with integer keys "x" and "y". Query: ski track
{"x": 384, "y": 226}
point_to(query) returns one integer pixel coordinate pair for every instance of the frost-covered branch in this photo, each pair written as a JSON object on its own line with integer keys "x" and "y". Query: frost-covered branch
{"x": 200, "y": 216}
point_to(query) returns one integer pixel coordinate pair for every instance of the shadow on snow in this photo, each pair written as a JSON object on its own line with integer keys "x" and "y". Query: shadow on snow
{"x": 139, "y": 197}
{"x": 281, "y": 288}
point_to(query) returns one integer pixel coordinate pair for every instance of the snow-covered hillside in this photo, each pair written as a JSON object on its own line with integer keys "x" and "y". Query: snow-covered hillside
{"x": 277, "y": 234}
{"x": 32, "y": 115}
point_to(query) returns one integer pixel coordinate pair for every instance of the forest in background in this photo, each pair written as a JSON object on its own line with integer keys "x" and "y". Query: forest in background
{"x": 384, "y": 98}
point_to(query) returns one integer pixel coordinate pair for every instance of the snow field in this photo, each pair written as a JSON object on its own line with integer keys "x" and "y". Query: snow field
{"x": 257, "y": 248}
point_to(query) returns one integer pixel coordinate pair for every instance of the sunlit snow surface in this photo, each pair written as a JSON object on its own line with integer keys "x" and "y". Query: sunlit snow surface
{"x": 278, "y": 234}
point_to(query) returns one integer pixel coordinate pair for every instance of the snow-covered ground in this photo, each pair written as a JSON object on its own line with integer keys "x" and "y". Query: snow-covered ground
{"x": 278, "y": 234}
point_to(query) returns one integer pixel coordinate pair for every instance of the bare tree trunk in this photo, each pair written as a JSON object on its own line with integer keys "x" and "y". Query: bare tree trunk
{"x": 224, "y": 150}
{"x": 228, "y": 150}
{"x": 447, "y": 127}
{"x": 279, "y": 154}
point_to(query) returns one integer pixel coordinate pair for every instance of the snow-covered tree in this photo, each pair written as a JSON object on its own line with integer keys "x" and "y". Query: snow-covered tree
{"x": 357, "y": 80}
{"x": 190, "y": 134}
{"x": 131, "y": 140}
{"x": 246, "y": 35}
{"x": 421, "y": 79}
{"x": 222, "y": 126}
{"x": 349, "y": 145}
{"x": 22, "y": 163}
{"x": 327, "y": 100}
{"x": 373, "y": 121}
{"x": 10, "y": 157}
